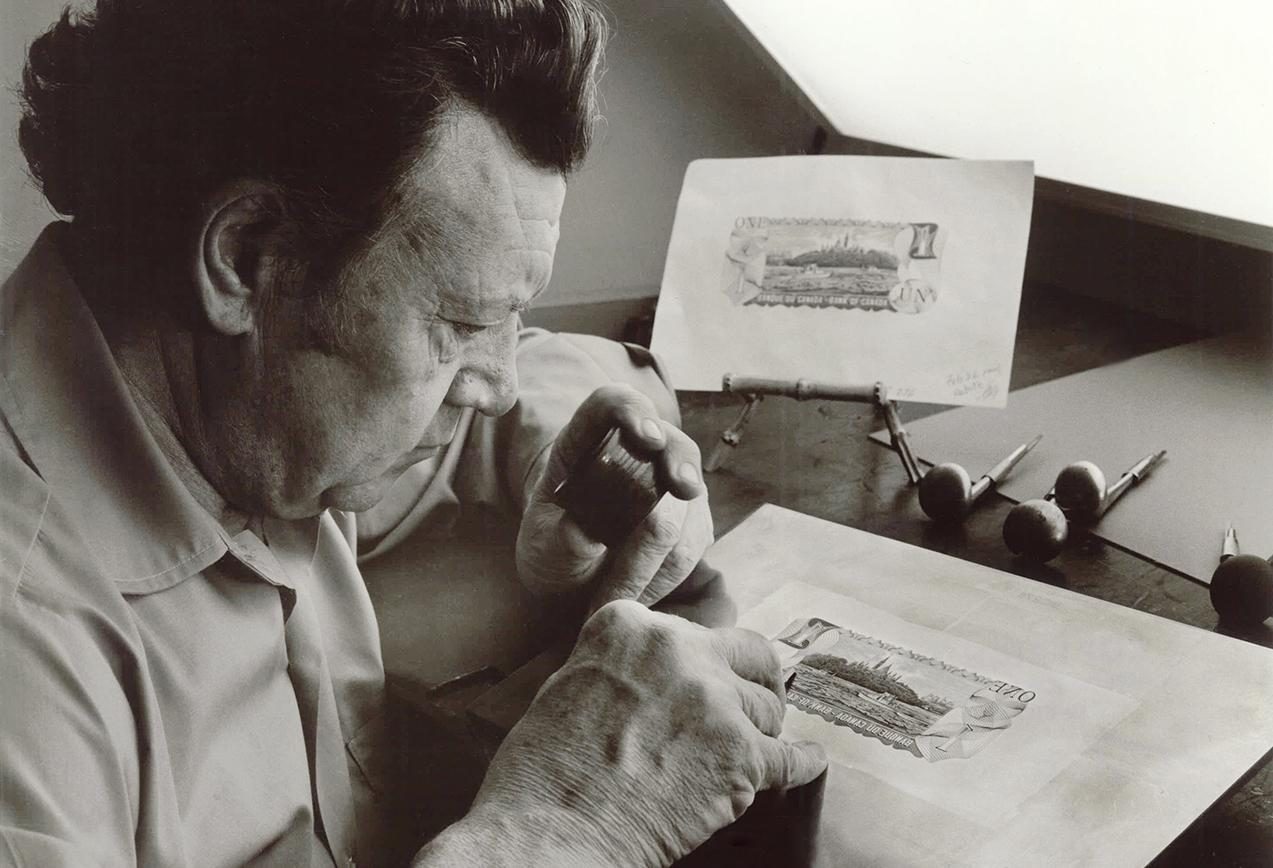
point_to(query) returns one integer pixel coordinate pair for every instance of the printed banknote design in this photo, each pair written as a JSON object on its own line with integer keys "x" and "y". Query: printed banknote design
{"x": 830, "y": 263}
{"x": 921, "y": 705}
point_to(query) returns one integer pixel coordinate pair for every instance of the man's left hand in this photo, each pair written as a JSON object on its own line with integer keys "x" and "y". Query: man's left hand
{"x": 553, "y": 552}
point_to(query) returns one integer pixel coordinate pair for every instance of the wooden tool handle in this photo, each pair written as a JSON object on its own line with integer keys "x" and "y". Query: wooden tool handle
{"x": 801, "y": 390}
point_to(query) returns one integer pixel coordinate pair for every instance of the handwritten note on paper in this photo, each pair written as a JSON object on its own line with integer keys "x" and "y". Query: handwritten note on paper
{"x": 848, "y": 270}
{"x": 980, "y": 386}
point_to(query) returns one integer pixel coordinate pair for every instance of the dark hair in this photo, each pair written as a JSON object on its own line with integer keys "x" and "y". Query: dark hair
{"x": 137, "y": 111}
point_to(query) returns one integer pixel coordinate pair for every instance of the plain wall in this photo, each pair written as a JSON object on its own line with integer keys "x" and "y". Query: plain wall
{"x": 23, "y": 210}
{"x": 679, "y": 84}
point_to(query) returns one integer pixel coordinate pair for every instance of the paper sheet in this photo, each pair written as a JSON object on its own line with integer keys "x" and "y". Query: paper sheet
{"x": 1129, "y": 783}
{"x": 966, "y": 728}
{"x": 848, "y": 270}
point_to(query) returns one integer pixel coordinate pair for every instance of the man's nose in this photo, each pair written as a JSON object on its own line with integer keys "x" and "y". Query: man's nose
{"x": 489, "y": 385}
{"x": 501, "y": 391}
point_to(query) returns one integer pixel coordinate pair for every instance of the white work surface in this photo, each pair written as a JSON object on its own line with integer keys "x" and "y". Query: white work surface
{"x": 1208, "y": 403}
{"x": 1136, "y": 98}
{"x": 1193, "y": 707}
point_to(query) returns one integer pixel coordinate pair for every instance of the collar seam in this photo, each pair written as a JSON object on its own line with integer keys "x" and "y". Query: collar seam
{"x": 177, "y": 566}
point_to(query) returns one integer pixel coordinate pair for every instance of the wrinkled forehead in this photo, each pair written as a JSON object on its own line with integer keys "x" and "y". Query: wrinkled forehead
{"x": 478, "y": 191}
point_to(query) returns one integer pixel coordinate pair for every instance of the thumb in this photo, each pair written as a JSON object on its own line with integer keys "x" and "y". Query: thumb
{"x": 791, "y": 764}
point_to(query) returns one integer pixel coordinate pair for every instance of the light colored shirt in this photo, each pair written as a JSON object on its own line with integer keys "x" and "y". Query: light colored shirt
{"x": 173, "y": 693}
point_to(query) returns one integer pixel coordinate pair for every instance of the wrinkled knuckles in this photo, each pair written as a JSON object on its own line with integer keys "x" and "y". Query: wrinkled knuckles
{"x": 766, "y": 649}
{"x": 768, "y": 711}
{"x": 627, "y": 613}
{"x": 750, "y": 645}
{"x": 694, "y": 698}
{"x": 727, "y": 730}
{"x": 661, "y": 530}
{"x": 682, "y": 560}
{"x": 656, "y": 645}
{"x": 610, "y": 623}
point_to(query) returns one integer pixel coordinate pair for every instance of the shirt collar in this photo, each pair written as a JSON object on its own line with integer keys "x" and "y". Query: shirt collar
{"x": 74, "y": 415}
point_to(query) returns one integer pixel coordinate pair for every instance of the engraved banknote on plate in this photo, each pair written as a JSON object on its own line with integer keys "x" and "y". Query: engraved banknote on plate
{"x": 931, "y": 713}
{"x": 928, "y": 707}
{"x": 833, "y": 263}
{"x": 849, "y": 271}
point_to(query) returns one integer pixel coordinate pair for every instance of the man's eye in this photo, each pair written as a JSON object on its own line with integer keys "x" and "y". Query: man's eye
{"x": 466, "y": 329}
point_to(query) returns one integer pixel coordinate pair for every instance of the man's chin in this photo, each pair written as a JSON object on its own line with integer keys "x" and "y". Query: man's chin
{"x": 362, "y": 496}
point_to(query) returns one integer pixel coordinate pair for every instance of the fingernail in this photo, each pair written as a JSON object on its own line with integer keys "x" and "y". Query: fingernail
{"x": 652, "y": 429}
{"x": 688, "y": 473}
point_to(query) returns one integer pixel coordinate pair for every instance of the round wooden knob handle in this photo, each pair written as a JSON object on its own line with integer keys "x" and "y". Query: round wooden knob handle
{"x": 945, "y": 493}
{"x": 1242, "y": 589}
{"x": 1080, "y": 490}
{"x": 1036, "y": 529}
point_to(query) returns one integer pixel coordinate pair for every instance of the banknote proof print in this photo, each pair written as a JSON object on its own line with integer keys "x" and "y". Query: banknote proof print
{"x": 924, "y": 706}
{"x": 831, "y": 263}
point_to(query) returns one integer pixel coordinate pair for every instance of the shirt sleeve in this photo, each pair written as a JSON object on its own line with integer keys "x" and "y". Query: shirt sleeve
{"x": 68, "y": 750}
{"x": 494, "y": 461}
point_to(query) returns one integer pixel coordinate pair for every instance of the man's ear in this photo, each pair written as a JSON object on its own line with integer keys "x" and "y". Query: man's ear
{"x": 237, "y": 256}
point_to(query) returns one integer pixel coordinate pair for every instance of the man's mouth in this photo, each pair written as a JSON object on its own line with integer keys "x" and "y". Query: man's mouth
{"x": 435, "y": 442}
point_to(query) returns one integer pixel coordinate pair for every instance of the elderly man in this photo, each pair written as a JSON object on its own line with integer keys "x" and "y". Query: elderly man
{"x": 300, "y": 235}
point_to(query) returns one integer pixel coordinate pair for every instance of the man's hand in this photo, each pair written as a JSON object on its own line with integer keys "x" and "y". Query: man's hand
{"x": 656, "y": 733}
{"x": 555, "y": 555}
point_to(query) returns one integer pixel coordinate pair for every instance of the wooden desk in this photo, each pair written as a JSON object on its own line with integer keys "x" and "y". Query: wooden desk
{"x": 814, "y": 458}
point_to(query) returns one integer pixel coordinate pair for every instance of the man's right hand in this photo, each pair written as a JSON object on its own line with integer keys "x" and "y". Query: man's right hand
{"x": 655, "y": 733}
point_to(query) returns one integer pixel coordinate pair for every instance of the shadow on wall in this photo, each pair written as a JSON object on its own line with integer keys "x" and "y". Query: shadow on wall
{"x": 1119, "y": 254}
{"x": 681, "y": 84}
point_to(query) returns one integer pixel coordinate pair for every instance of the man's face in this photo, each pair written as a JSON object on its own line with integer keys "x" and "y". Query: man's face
{"x": 432, "y": 326}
